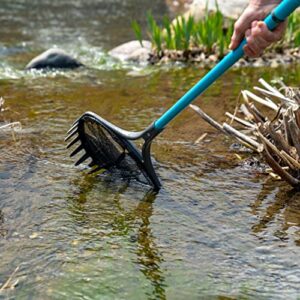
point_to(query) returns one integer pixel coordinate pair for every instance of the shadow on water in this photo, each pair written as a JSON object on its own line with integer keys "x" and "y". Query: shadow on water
{"x": 133, "y": 223}
{"x": 277, "y": 203}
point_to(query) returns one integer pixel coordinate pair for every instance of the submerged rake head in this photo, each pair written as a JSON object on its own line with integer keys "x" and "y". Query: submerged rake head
{"x": 111, "y": 148}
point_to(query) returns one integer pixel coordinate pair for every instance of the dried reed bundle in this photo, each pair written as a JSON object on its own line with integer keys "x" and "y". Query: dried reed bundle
{"x": 270, "y": 118}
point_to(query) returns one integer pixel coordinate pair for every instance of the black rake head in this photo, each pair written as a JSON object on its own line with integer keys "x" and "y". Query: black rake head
{"x": 111, "y": 148}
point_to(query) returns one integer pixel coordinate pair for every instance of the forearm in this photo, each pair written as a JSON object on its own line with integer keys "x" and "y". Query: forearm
{"x": 259, "y": 3}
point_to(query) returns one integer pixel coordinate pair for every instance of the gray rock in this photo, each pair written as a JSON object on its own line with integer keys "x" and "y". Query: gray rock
{"x": 230, "y": 9}
{"x": 132, "y": 51}
{"x": 53, "y": 59}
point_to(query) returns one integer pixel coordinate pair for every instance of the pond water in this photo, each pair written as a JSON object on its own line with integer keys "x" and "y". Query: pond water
{"x": 217, "y": 229}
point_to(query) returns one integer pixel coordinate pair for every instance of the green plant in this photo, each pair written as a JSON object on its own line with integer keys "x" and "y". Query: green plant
{"x": 137, "y": 31}
{"x": 293, "y": 30}
{"x": 212, "y": 34}
{"x": 155, "y": 32}
{"x": 168, "y": 34}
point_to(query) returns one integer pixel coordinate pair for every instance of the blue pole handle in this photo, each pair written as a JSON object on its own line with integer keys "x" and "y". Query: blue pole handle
{"x": 281, "y": 12}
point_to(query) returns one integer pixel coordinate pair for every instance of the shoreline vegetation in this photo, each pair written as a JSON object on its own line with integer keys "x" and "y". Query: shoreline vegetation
{"x": 206, "y": 41}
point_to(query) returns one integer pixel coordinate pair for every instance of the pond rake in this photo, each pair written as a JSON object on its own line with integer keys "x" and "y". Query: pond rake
{"x": 110, "y": 147}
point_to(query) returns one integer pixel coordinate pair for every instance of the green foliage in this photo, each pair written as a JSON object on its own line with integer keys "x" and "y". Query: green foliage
{"x": 156, "y": 33}
{"x": 137, "y": 31}
{"x": 212, "y": 33}
{"x": 293, "y": 30}
{"x": 186, "y": 33}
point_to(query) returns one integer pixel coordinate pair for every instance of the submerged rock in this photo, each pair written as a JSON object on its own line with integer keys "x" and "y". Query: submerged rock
{"x": 53, "y": 59}
{"x": 132, "y": 51}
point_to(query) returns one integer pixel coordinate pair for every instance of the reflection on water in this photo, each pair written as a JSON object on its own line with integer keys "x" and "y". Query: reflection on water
{"x": 283, "y": 204}
{"x": 133, "y": 223}
{"x": 215, "y": 230}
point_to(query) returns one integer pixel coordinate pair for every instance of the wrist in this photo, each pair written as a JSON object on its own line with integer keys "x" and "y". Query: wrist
{"x": 259, "y": 3}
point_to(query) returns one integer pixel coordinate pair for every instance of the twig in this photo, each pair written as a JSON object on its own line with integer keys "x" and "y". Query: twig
{"x": 246, "y": 112}
{"x": 280, "y": 96}
{"x": 295, "y": 135}
{"x": 269, "y": 87}
{"x": 207, "y": 118}
{"x": 11, "y": 126}
{"x": 6, "y": 284}
{"x": 262, "y": 101}
{"x": 243, "y": 137}
{"x": 239, "y": 120}
{"x": 277, "y": 168}
{"x": 201, "y": 138}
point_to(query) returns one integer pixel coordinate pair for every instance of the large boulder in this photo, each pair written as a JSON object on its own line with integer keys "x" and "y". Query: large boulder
{"x": 231, "y": 9}
{"x": 178, "y": 6}
{"x": 132, "y": 51}
{"x": 54, "y": 59}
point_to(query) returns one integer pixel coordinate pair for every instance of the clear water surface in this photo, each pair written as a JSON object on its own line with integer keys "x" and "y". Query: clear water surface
{"x": 217, "y": 229}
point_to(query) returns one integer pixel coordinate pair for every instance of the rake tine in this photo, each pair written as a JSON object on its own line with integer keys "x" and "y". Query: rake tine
{"x": 70, "y": 135}
{"x": 92, "y": 164}
{"x": 95, "y": 170}
{"x": 73, "y": 142}
{"x": 78, "y": 149}
{"x": 82, "y": 159}
{"x": 75, "y": 125}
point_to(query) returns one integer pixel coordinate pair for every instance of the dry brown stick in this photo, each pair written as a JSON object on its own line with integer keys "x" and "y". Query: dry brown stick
{"x": 295, "y": 134}
{"x": 239, "y": 120}
{"x": 259, "y": 117}
{"x": 243, "y": 137}
{"x": 279, "y": 139}
{"x": 278, "y": 169}
{"x": 286, "y": 129}
{"x": 268, "y": 86}
{"x": 267, "y": 103}
{"x": 246, "y": 112}
{"x": 280, "y": 96}
{"x": 11, "y": 126}
{"x": 296, "y": 111}
{"x": 293, "y": 161}
{"x": 201, "y": 138}
{"x": 265, "y": 141}
{"x": 6, "y": 284}
{"x": 207, "y": 118}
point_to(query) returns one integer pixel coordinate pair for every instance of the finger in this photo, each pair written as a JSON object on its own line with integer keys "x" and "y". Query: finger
{"x": 240, "y": 27}
{"x": 271, "y": 36}
{"x": 258, "y": 36}
{"x": 248, "y": 51}
{"x": 252, "y": 43}
{"x": 254, "y": 24}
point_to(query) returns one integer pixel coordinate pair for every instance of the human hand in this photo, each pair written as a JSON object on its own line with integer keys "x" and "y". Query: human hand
{"x": 251, "y": 26}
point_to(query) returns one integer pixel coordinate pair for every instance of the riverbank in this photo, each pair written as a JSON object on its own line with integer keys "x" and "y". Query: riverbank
{"x": 197, "y": 56}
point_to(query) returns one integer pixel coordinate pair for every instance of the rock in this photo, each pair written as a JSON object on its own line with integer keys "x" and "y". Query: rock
{"x": 230, "y": 9}
{"x": 178, "y": 6}
{"x": 53, "y": 59}
{"x": 132, "y": 51}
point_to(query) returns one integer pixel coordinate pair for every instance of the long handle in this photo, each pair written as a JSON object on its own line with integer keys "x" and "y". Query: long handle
{"x": 281, "y": 12}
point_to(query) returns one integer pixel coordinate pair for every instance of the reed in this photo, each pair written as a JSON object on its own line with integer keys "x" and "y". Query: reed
{"x": 268, "y": 122}
{"x": 211, "y": 34}
{"x": 293, "y": 30}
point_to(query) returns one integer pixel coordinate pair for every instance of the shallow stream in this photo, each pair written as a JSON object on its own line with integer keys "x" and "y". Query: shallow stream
{"x": 217, "y": 229}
